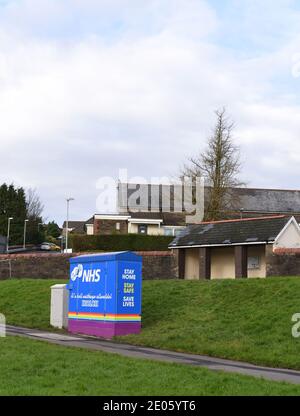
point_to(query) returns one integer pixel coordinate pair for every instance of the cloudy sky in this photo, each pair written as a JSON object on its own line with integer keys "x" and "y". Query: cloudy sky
{"x": 91, "y": 86}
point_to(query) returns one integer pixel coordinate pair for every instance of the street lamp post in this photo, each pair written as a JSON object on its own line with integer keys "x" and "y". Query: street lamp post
{"x": 24, "y": 239}
{"x": 8, "y": 232}
{"x": 67, "y": 222}
{"x": 61, "y": 238}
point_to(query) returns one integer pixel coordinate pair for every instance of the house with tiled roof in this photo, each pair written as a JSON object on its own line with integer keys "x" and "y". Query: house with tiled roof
{"x": 158, "y": 212}
{"x": 237, "y": 248}
{"x": 79, "y": 227}
{"x": 149, "y": 223}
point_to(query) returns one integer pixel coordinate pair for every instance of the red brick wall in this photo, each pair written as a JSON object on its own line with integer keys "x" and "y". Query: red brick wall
{"x": 109, "y": 227}
{"x": 282, "y": 251}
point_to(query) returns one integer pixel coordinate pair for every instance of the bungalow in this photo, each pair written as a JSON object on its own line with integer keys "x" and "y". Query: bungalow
{"x": 138, "y": 223}
{"x": 234, "y": 248}
{"x": 134, "y": 223}
{"x": 79, "y": 227}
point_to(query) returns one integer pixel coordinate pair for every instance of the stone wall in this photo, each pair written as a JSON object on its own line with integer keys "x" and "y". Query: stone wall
{"x": 159, "y": 265}
{"x": 35, "y": 266}
{"x": 156, "y": 265}
{"x": 282, "y": 262}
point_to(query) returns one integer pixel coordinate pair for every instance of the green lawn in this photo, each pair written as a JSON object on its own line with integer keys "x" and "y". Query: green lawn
{"x": 30, "y": 367}
{"x": 248, "y": 320}
{"x": 26, "y": 302}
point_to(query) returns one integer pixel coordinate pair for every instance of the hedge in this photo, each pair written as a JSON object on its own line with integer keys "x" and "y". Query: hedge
{"x": 120, "y": 242}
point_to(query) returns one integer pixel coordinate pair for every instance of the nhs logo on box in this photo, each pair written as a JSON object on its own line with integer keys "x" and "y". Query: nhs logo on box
{"x": 105, "y": 294}
{"x": 89, "y": 275}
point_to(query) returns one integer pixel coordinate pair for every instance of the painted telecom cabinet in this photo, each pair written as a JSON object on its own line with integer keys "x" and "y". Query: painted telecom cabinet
{"x": 105, "y": 294}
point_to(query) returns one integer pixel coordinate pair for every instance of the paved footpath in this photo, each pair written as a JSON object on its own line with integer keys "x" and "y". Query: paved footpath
{"x": 275, "y": 374}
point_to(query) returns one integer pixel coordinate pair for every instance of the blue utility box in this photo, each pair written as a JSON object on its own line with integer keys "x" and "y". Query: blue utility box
{"x": 105, "y": 294}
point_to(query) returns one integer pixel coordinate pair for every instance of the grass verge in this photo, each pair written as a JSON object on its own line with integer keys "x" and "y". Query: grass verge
{"x": 34, "y": 368}
{"x": 248, "y": 320}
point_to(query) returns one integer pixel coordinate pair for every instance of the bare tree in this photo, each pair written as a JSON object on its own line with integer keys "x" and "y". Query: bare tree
{"x": 220, "y": 165}
{"x": 34, "y": 205}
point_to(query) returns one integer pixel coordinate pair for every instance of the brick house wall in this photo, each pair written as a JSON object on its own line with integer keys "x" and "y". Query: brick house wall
{"x": 106, "y": 227}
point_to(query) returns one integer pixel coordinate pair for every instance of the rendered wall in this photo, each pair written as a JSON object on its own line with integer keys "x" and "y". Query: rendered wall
{"x": 290, "y": 238}
{"x": 260, "y": 252}
{"x": 152, "y": 229}
{"x": 222, "y": 263}
{"x": 90, "y": 229}
{"x": 192, "y": 264}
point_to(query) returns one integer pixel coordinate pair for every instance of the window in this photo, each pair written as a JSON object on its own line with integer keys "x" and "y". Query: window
{"x": 173, "y": 231}
{"x": 177, "y": 231}
{"x": 253, "y": 263}
{"x": 142, "y": 229}
{"x": 118, "y": 226}
{"x": 168, "y": 231}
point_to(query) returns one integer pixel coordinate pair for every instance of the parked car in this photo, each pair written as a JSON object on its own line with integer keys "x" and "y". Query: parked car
{"x": 49, "y": 247}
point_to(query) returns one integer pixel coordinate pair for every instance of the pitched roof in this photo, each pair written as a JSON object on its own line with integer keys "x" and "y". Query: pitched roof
{"x": 78, "y": 227}
{"x": 242, "y": 231}
{"x": 268, "y": 200}
{"x": 256, "y": 200}
{"x": 173, "y": 218}
{"x": 146, "y": 215}
{"x": 73, "y": 224}
{"x": 155, "y": 197}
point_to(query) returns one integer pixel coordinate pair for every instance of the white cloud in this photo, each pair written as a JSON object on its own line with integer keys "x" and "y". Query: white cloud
{"x": 138, "y": 91}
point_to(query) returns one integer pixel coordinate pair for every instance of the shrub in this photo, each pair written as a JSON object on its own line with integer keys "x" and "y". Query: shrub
{"x": 120, "y": 242}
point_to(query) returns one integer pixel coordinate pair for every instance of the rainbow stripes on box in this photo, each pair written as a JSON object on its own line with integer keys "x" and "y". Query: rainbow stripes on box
{"x": 104, "y": 317}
